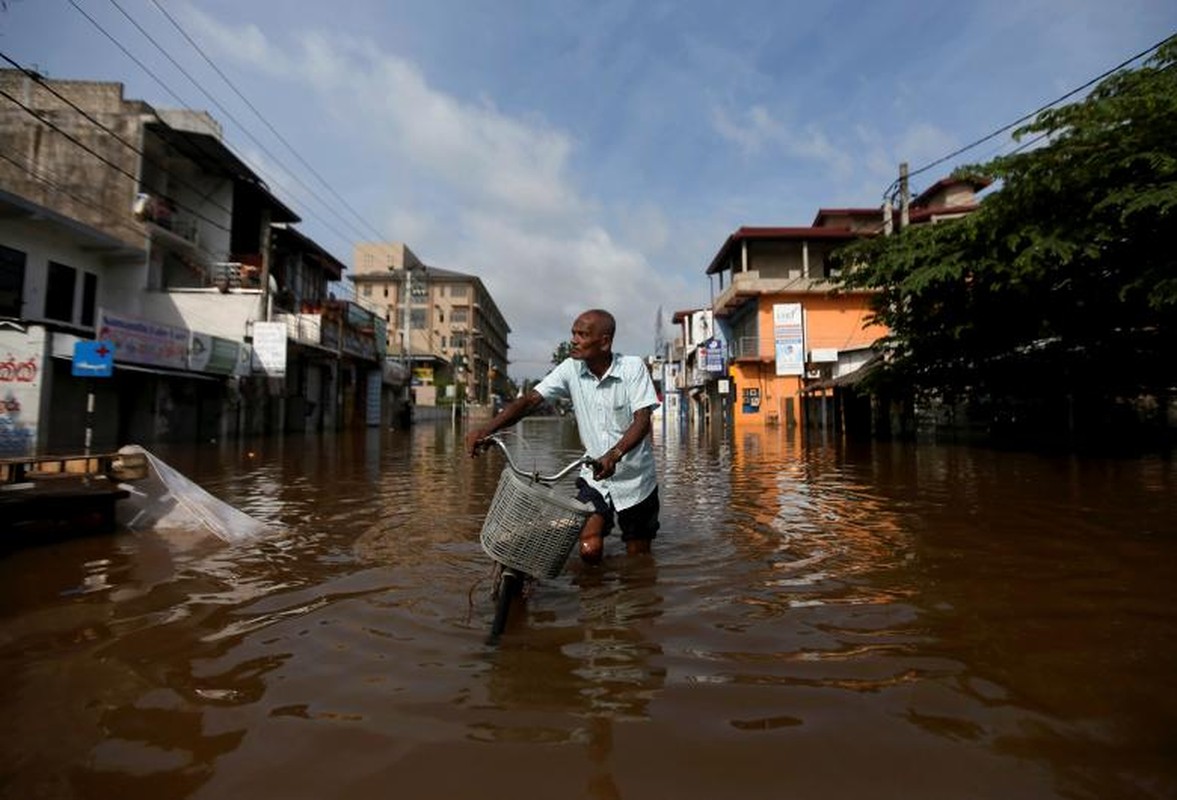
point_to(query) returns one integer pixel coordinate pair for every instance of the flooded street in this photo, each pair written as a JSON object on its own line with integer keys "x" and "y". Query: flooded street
{"x": 885, "y": 621}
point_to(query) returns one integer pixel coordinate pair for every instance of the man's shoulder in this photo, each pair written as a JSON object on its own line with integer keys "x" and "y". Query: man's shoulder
{"x": 630, "y": 363}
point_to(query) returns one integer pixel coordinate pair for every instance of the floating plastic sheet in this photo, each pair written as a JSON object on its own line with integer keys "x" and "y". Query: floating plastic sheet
{"x": 166, "y": 500}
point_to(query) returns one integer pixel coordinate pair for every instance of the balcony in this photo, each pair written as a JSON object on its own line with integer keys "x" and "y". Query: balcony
{"x": 748, "y": 285}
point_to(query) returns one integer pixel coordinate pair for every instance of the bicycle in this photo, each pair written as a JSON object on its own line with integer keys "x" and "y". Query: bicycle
{"x": 529, "y": 530}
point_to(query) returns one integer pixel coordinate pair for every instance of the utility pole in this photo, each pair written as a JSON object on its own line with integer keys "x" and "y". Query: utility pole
{"x": 904, "y": 197}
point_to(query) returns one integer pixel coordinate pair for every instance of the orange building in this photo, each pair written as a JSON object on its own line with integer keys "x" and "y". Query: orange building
{"x": 788, "y": 336}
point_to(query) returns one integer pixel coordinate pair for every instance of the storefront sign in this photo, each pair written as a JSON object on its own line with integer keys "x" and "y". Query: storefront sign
{"x": 141, "y": 341}
{"x": 789, "y": 338}
{"x": 269, "y": 348}
{"x": 209, "y": 353}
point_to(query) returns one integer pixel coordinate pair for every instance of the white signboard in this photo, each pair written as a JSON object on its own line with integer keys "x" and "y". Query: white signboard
{"x": 269, "y": 348}
{"x": 789, "y": 338}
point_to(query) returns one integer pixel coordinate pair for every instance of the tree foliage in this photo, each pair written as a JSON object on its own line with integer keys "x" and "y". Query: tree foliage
{"x": 562, "y": 351}
{"x": 1065, "y": 279}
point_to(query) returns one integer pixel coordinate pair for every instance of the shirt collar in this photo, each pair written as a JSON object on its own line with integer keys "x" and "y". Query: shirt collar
{"x": 585, "y": 372}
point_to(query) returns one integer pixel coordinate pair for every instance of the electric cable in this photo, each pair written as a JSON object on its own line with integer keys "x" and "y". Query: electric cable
{"x": 228, "y": 114}
{"x": 135, "y": 179}
{"x": 265, "y": 121}
{"x": 182, "y": 103}
{"x": 204, "y": 195}
{"x": 1036, "y": 112}
{"x": 52, "y": 184}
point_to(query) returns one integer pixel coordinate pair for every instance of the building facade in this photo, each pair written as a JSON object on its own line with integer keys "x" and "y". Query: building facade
{"x": 788, "y": 339}
{"x": 140, "y": 228}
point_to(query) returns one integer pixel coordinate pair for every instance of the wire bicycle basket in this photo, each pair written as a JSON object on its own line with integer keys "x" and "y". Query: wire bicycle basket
{"x": 531, "y": 526}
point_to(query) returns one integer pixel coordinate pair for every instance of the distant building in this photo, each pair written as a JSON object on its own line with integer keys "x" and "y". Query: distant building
{"x": 449, "y": 327}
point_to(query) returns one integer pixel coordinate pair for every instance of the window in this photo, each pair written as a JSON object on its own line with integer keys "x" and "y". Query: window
{"x": 12, "y": 281}
{"x": 441, "y": 315}
{"x": 458, "y": 290}
{"x": 420, "y": 291}
{"x": 89, "y": 298}
{"x": 367, "y": 291}
{"x": 459, "y": 315}
{"x": 59, "y": 294}
{"x": 418, "y": 318}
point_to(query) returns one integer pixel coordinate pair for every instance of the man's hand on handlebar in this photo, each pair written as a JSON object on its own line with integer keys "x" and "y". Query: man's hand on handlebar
{"x": 476, "y": 442}
{"x": 605, "y": 466}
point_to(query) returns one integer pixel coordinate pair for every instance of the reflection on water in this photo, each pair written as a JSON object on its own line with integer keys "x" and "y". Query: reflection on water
{"x": 951, "y": 622}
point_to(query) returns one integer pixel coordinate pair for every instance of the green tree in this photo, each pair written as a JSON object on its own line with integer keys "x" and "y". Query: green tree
{"x": 562, "y": 351}
{"x": 1064, "y": 282}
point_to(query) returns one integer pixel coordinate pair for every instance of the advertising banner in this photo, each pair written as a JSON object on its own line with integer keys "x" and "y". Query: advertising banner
{"x": 789, "y": 338}
{"x": 711, "y": 356}
{"x": 209, "y": 353}
{"x": 141, "y": 341}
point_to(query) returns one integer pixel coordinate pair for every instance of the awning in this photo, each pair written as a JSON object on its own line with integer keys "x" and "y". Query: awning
{"x": 850, "y": 379}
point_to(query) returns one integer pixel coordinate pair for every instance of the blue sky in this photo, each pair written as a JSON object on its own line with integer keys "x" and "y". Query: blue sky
{"x": 584, "y": 154}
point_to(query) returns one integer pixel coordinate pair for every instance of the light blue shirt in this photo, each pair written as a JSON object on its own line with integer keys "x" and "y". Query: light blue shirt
{"x": 604, "y": 411}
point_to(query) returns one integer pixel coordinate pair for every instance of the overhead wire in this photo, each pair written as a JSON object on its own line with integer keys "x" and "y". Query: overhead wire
{"x": 51, "y": 182}
{"x": 228, "y": 114}
{"x": 1025, "y": 117}
{"x": 265, "y": 121}
{"x": 34, "y": 76}
{"x": 183, "y": 103}
{"x": 117, "y": 167}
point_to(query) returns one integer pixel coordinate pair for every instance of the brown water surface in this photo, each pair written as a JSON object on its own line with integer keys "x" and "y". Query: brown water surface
{"x": 890, "y": 621}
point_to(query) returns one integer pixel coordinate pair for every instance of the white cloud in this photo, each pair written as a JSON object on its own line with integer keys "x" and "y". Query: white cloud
{"x": 758, "y": 132}
{"x": 479, "y": 191}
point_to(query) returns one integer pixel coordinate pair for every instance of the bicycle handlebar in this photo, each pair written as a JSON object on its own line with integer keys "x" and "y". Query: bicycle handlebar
{"x": 535, "y": 476}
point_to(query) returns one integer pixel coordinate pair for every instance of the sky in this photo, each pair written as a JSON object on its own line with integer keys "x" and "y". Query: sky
{"x": 578, "y": 155}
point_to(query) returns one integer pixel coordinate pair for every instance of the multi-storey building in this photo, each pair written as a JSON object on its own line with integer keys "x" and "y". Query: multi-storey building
{"x": 444, "y": 323}
{"x": 141, "y": 228}
{"x": 789, "y": 339}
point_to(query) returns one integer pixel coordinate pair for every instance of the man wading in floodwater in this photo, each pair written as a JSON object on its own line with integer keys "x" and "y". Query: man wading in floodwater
{"x": 612, "y": 396}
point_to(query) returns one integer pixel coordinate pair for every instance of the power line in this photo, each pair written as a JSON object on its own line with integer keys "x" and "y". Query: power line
{"x": 49, "y": 181}
{"x": 265, "y": 121}
{"x": 135, "y": 180}
{"x": 204, "y": 195}
{"x": 1032, "y": 114}
{"x": 183, "y": 104}
{"x": 212, "y": 99}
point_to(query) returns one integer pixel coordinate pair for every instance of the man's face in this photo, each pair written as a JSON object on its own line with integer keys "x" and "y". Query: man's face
{"x": 587, "y": 339}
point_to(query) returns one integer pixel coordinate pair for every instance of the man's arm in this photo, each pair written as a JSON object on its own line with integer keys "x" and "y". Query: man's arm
{"x": 514, "y": 411}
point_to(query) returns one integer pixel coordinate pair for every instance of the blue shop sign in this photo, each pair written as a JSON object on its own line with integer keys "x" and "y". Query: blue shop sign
{"x": 93, "y": 359}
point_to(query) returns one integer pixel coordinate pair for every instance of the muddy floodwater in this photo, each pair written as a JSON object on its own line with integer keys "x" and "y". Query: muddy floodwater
{"x": 817, "y": 621}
